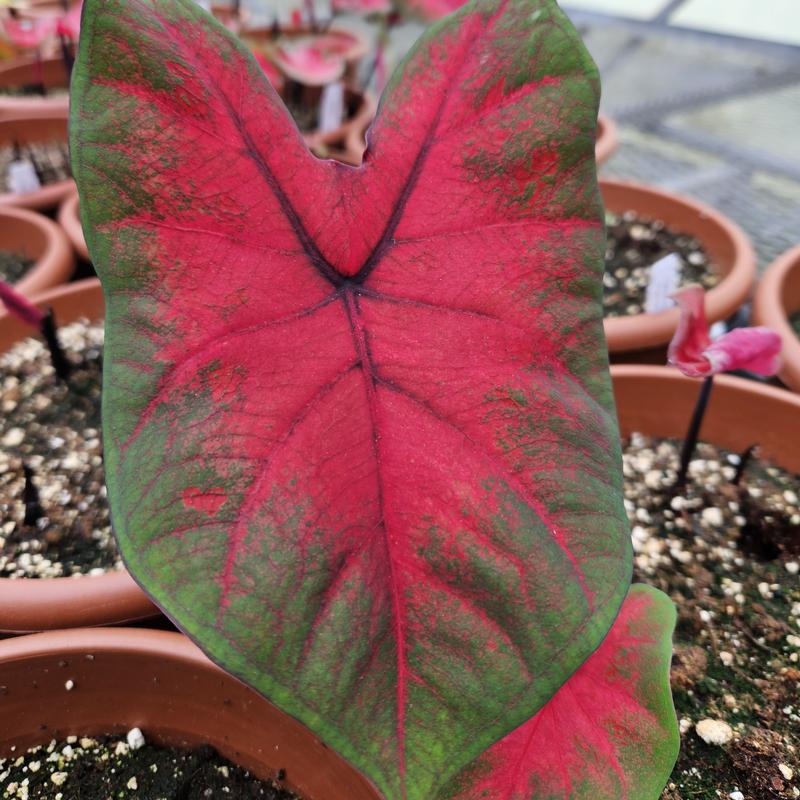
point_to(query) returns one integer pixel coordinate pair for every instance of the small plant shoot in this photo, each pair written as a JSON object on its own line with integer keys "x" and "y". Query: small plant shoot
{"x": 359, "y": 429}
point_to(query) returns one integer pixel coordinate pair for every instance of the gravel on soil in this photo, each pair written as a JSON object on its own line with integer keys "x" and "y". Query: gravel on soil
{"x": 54, "y": 429}
{"x": 100, "y": 768}
{"x": 634, "y": 244}
{"x": 13, "y": 266}
{"x": 729, "y": 557}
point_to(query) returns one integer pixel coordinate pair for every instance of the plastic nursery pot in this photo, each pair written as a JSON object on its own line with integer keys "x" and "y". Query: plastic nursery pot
{"x": 346, "y": 143}
{"x": 40, "y": 239}
{"x": 28, "y": 130}
{"x": 161, "y": 683}
{"x": 607, "y": 139}
{"x": 70, "y": 220}
{"x": 38, "y": 604}
{"x": 25, "y": 71}
{"x": 777, "y": 298}
{"x": 728, "y": 248}
{"x": 658, "y": 401}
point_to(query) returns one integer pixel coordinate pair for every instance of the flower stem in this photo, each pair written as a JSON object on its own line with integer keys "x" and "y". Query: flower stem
{"x": 690, "y": 440}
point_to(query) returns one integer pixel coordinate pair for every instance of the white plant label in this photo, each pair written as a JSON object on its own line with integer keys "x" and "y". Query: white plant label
{"x": 331, "y": 107}
{"x": 664, "y": 277}
{"x": 21, "y": 177}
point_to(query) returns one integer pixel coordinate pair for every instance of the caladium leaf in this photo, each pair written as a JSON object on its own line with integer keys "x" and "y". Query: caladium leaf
{"x": 359, "y": 428}
{"x": 610, "y": 731}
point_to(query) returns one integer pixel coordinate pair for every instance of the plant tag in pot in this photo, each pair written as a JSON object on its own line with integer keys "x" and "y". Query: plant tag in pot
{"x": 331, "y": 107}
{"x": 664, "y": 276}
{"x": 21, "y": 177}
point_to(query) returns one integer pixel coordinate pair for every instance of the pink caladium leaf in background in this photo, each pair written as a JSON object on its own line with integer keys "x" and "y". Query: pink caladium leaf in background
{"x": 359, "y": 429}
{"x": 609, "y": 733}
{"x": 19, "y": 305}
{"x": 695, "y": 354}
{"x": 312, "y": 62}
{"x": 29, "y": 33}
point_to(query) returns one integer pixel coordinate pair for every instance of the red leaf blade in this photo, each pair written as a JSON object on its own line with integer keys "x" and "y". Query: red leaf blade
{"x": 609, "y": 733}
{"x": 371, "y": 406}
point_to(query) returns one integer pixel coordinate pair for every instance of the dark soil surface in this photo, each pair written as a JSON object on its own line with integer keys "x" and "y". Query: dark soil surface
{"x": 794, "y": 319}
{"x": 107, "y": 767}
{"x": 729, "y": 557}
{"x": 50, "y": 160}
{"x": 54, "y": 430}
{"x": 13, "y": 266}
{"x": 634, "y": 245}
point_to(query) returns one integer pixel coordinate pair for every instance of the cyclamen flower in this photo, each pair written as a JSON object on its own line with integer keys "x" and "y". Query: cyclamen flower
{"x": 695, "y": 354}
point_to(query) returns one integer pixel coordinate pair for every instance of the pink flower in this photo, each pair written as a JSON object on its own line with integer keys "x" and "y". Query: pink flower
{"x": 694, "y": 353}
{"x": 20, "y": 306}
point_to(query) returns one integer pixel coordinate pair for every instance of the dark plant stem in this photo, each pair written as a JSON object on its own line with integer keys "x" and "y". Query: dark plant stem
{"x": 744, "y": 459}
{"x": 690, "y": 440}
{"x": 312, "y": 15}
{"x": 66, "y": 53}
{"x": 59, "y": 360}
{"x": 30, "y": 496}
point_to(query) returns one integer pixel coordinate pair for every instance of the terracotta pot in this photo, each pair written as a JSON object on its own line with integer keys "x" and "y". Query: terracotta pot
{"x": 38, "y": 238}
{"x": 70, "y": 220}
{"x": 658, "y": 401}
{"x": 36, "y": 129}
{"x": 347, "y": 143}
{"x": 777, "y": 297}
{"x": 22, "y": 72}
{"x": 607, "y": 139}
{"x": 159, "y": 682}
{"x": 726, "y": 244}
{"x": 44, "y": 604}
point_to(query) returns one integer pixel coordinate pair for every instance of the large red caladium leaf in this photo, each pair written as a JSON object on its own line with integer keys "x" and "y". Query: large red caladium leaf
{"x": 359, "y": 427}
{"x": 610, "y": 731}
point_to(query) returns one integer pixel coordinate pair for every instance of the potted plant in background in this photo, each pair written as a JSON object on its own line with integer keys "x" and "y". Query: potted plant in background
{"x": 722, "y": 251}
{"x": 35, "y": 172}
{"x": 43, "y": 603}
{"x": 36, "y": 254}
{"x": 414, "y": 609}
{"x": 777, "y": 304}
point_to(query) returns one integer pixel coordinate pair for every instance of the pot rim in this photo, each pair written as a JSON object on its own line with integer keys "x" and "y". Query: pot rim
{"x": 39, "y": 604}
{"x": 741, "y": 412}
{"x": 54, "y": 263}
{"x": 15, "y": 106}
{"x": 175, "y": 693}
{"x": 50, "y": 195}
{"x": 733, "y": 252}
{"x": 69, "y": 218}
{"x": 607, "y": 139}
{"x": 770, "y": 307}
